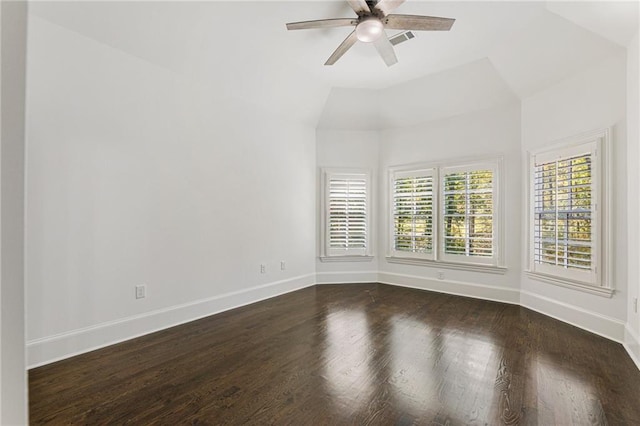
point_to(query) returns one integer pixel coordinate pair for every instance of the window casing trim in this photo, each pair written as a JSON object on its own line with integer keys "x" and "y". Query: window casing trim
{"x": 346, "y": 258}
{"x": 466, "y": 266}
{"x": 568, "y": 283}
{"x": 600, "y": 280}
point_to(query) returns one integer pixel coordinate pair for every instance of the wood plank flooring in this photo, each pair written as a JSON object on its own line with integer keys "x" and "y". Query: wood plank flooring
{"x": 349, "y": 354}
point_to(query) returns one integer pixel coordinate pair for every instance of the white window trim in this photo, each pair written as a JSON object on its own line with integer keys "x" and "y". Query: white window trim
{"x": 346, "y": 258}
{"x": 603, "y": 285}
{"x": 467, "y": 266}
{"x": 496, "y": 264}
{"x": 332, "y": 255}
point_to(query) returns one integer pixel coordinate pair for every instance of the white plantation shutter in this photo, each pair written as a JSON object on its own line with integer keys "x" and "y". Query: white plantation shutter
{"x": 446, "y": 214}
{"x": 347, "y": 214}
{"x": 413, "y": 215}
{"x": 468, "y": 195}
{"x": 565, "y": 223}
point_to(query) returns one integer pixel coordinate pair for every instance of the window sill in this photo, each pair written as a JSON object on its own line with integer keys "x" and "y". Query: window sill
{"x": 475, "y": 267}
{"x": 347, "y": 258}
{"x": 567, "y": 283}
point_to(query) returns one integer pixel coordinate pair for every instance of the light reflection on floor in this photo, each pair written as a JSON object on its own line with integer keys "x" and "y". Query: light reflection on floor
{"x": 559, "y": 385}
{"x": 430, "y": 368}
{"x": 427, "y": 371}
{"x": 412, "y": 366}
{"x": 347, "y": 360}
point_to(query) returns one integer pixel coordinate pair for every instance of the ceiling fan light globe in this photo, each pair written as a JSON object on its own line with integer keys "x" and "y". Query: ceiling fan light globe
{"x": 369, "y": 30}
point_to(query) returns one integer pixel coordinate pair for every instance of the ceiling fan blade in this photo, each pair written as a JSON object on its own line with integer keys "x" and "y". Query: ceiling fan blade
{"x": 342, "y": 49}
{"x": 417, "y": 22}
{"x": 322, "y": 23}
{"x": 359, "y": 6}
{"x": 385, "y": 49}
{"x": 388, "y": 6}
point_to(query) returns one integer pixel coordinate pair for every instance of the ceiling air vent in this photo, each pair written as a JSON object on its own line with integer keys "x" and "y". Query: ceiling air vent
{"x": 399, "y": 38}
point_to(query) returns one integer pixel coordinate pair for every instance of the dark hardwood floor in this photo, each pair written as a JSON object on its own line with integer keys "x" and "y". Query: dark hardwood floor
{"x": 349, "y": 354}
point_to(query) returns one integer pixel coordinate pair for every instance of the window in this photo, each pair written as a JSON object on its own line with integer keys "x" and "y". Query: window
{"x": 567, "y": 212}
{"x": 446, "y": 214}
{"x": 346, "y": 213}
{"x": 413, "y": 214}
{"x": 467, "y": 226}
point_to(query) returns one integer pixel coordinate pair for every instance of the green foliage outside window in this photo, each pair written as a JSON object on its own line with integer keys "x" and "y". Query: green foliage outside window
{"x": 413, "y": 214}
{"x": 468, "y": 213}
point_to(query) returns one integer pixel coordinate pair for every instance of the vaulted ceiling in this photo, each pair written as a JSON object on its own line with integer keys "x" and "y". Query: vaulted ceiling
{"x": 496, "y": 52}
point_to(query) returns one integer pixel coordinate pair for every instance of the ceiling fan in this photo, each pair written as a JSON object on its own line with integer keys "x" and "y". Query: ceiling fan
{"x": 373, "y": 18}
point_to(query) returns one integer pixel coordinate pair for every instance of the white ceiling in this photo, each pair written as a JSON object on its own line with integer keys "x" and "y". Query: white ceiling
{"x": 516, "y": 48}
{"x": 616, "y": 21}
{"x": 470, "y": 87}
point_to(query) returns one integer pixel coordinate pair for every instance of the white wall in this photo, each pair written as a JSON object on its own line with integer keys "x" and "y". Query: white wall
{"x": 13, "y": 377}
{"x": 632, "y": 339}
{"x": 348, "y": 149}
{"x": 138, "y": 175}
{"x": 489, "y": 133}
{"x": 592, "y": 99}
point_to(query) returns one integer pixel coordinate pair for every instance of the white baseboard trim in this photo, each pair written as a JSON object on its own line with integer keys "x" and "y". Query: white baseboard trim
{"x": 632, "y": 344}
{"x": 607, "y": 327}
{"x": 458, "y": 288}
{"x": 65, "y": 345}
{"x": 346, "y": 277}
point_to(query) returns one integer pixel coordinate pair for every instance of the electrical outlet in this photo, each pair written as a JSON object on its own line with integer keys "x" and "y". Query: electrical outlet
{"x": 441, "y": 275}
{"x": 141, "y": 292}
{"x": 263, "y": 268}
{"x": 283, "y": 266}
{"x": 635, "y": 305}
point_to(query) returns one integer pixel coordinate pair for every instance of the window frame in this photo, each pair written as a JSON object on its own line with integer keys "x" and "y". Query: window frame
{"x": 327, "y": 253}
{"x": 494, "y": 264}
{"x": 599, "y": 280}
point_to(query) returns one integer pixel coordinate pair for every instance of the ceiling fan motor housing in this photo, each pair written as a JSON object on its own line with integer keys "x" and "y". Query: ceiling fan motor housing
{"x": 369, "y": 29}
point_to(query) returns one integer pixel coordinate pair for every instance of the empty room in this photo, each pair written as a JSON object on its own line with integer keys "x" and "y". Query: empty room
{"x": 320, "y": 212}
